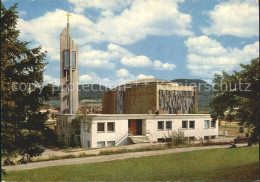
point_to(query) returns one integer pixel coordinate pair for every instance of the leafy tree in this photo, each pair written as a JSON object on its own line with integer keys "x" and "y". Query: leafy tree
{"x": 238, "y": 94}
{"x": 22, "y": 126}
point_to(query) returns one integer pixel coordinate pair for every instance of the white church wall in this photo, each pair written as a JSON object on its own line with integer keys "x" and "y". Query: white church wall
{"x": 198, "y": 132}
{"x": 119, "y": 136}
{"x": 108, "y": 138}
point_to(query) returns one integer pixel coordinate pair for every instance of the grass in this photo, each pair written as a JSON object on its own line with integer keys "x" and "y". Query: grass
{"x": 232, "y": 129}
{"x": 111, "y": 152}
{"x": 214, "y": 164}
{"x": 107, "y": 152}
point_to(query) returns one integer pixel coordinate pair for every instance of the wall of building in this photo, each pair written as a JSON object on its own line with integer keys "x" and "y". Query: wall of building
{"x": 175, "y": 99}
{"x": 69, "y": 84}
{"x": 138, "y": 100}
{"x": 169, "y": 98}
{"x": 149, "y": 128}
{"x": 85, "y": 136}
{"x": 63, "y": 129}
{"x": 119, "y": 136}
{"x": 199, "y": 131}
{"x": 109, "y": 102}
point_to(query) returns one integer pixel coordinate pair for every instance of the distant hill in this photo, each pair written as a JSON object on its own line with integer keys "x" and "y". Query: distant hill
{"x": 91, "y": 91}
{"x": 205, "y": 91}
{"x": 87, "y": 91}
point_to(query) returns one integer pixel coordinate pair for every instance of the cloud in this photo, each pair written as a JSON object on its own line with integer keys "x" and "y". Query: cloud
{"x": 142, "y": 76}
{"x": 208, "y": 56}
{"x": 158, "y": 65}
{"x": 122, "y": 73}
{"x": 114, "y": 5}
{"x": 136, "y": 21}
{"x": 45, "y": 31}
{"x": 204, "y": 46}
{"x": 93, "y": 78}
{"x": 49, "y": 79}
{"x": 136, "y": 61}
{"x": 237, "y": 18}
{"x": 143, "y": 61}
{"x": 21, "y": 13}
{"x": 143, "y": 18}
{"x": 85, "y": 78}
{"x": 89, "y": 57}
{"x": 107, "y": 59}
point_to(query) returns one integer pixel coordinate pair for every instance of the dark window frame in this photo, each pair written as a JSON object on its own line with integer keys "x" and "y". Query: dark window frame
{"x": 186, "y": 121}
{"x": 162, "y": 125}
{"x": 113, "y": 127}
{"x": 214, "y": 125}
{"x": 193, "y": 124}
{"x": 166, "y": 125}
{"x": 98, "y": 127}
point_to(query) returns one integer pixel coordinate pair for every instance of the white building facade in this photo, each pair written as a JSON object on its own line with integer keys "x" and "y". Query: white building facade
{"x": 114, "y": 129}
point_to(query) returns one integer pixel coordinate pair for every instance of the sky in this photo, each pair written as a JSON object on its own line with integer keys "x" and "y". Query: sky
{"x": 124, "y": 40}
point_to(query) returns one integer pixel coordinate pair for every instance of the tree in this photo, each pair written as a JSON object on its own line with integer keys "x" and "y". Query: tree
{"x": 22, "y": 126}
{"x": 238, "y": 93}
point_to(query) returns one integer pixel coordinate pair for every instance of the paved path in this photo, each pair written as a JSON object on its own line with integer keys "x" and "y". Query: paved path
{"x": 104, "y": 158}
{"x": 49, "y": 152}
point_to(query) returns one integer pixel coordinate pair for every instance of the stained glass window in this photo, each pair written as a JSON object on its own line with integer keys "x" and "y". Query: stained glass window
{"x": 73, "y": 60}
{"x": 66, "y": 59}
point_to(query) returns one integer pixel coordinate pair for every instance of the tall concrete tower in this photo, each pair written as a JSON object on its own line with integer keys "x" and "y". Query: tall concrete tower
{"x": 68, "y": 72}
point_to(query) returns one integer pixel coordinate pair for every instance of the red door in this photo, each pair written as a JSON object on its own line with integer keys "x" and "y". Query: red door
{"x": 132, "y": 126}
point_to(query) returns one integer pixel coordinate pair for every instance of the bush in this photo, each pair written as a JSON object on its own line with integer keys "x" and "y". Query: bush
{"x": 241, "y": 130}
{"x": 61, "y": 144}
{"x": 176, "y": 138}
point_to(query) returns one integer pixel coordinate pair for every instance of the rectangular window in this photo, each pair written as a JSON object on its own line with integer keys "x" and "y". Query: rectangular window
{"x": 192, "y": 124}
{"x": 206, "y": 124}
{"x": 73, "y": 60}
{"x": 161, "y": 140}
{"x": 168, "y": 125}
{"x": 206, "y": 137}
{"x": 213, "y": 137}
{"x": 192, "y": 138}
{"x": 213, "y": 124}
{"x": 111, "y": 126}
{"x": 101, "y": 127}
{"x": 160, "y": 125}
{"x": 110, "y": 143}
{"x": 100, "y": 144}
{"x": 184, "y": 124}
{"x": 66, "y": 59}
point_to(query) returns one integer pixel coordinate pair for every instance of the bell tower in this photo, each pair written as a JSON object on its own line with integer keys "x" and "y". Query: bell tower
{"x": 68, "y": 72}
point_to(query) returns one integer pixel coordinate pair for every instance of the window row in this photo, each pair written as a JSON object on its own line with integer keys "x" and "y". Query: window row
{"x": 110, "y": 127}
{"x": 168, "y": 125}
{"x": 208, "y": 124}
{"x": 185, "y": 124}
{"x": 103, "y": 144}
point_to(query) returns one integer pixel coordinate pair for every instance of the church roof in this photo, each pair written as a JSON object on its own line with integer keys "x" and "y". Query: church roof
{"x": 148, "y": 80}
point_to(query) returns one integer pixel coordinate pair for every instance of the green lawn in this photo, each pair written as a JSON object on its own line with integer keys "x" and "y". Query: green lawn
{"x": 215, "y": 164}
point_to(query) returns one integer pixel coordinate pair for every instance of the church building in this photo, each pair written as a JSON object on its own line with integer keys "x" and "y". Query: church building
{"x": 68, "y": 72}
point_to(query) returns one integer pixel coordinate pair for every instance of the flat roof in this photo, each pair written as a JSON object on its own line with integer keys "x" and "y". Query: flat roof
{"x": 144, "y": 116}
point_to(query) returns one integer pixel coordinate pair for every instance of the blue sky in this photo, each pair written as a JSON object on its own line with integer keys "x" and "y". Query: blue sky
{"x": 124, "y": 40}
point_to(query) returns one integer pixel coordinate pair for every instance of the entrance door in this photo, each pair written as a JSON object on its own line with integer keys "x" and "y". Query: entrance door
{"x": 139, "y": 127}
{"x": 132, "y": 126}
{"x": 135, "y": 126}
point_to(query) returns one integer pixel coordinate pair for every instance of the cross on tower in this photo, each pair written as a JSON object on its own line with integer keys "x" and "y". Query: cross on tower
{"x": 68, "y": 17}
